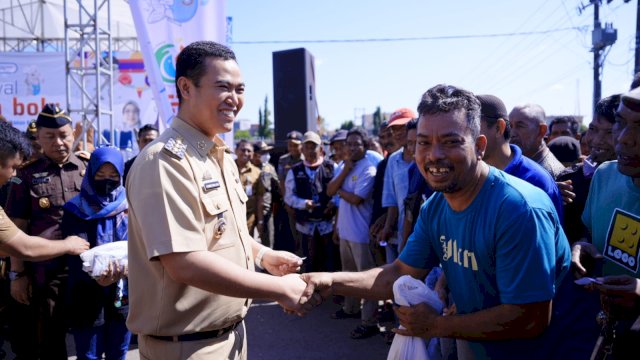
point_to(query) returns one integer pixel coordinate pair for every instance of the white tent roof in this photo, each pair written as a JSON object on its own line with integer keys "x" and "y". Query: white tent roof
{"x": 44, "y": 19}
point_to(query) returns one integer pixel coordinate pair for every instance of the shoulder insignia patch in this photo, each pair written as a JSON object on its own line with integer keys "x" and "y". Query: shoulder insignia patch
{"x": 83, "y": 155}
{"x": 175, "y": 147}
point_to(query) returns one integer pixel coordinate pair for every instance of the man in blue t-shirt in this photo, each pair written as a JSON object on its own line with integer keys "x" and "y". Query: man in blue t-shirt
{"x": 497, "y": 238}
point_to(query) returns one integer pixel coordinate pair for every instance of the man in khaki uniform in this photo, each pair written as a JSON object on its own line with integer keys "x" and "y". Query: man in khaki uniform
{"x": 249, "y": 175}
{"x": 13, "y": 149}
{"x": 267, "y": 192}
{"x": 191, "y": 258}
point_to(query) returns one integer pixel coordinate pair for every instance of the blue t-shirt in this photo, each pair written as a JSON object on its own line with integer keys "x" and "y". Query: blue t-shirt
{"x": 612, "y": 215}
{"x": 352, "y": 219}
{"x": 530, "y": 171}
{"x": 506, "y": 247}
{"x": 417, "y": 183}
{"x": 396, "y": 186}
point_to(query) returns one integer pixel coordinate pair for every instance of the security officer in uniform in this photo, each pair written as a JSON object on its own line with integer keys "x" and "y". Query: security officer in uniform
{"x": 249, "y": 175}
{"x": 285, "y": 217}
{"x": 267, "y": 192}
{"x": 35, "y": 205}
{"x": 191, "y": 258}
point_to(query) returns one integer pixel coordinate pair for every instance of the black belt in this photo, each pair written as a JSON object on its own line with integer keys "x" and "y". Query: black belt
{"x": 212, "y": 334}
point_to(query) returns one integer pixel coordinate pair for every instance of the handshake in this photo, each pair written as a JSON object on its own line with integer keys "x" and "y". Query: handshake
{"x": 304, "y": 292}
{"x": 296, "y": 293}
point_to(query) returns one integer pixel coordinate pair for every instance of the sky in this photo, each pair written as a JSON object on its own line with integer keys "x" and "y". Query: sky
{"x": 551, "y": 66}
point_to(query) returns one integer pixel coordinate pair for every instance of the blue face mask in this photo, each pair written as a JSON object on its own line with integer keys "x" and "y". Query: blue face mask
{"x": 106, "y": 186}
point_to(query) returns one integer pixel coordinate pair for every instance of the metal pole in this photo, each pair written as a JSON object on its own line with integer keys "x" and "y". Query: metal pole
{"x": 637, "y": 67}
{"x": 597, "y": 51}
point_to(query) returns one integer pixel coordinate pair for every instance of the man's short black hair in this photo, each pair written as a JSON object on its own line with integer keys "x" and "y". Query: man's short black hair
{"x": 607, "y": 107}
{"x": 362, "y": 133}
{"x": 444, "y": 98}
{"x": 191, "y": 62}
{"x": 412, "y": 124}
{"x": 147, "y": 128}
{"x": 242, "y": 142}
{"x": 12, "y": 142}
{"x": 574, "y": 126}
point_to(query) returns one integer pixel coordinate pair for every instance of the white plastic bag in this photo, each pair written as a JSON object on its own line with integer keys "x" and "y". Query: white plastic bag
{"x": 96, "y": 260}
{"x": 409, "y": 291}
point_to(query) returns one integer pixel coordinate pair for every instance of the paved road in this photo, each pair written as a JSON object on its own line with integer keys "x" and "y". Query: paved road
{"x": 275, "y": 335}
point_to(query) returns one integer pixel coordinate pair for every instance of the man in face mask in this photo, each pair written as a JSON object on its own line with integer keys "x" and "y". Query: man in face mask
{"x": 267, "y": 192}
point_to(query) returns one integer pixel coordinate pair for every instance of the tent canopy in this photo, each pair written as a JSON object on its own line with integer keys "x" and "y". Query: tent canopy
{"x": 44, "y": 19}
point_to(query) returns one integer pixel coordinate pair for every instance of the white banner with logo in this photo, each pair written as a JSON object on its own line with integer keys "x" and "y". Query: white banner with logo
{"x": 166, "y": 27}
{"x": 30, "y": 80}
{"x": 27, "y": 82}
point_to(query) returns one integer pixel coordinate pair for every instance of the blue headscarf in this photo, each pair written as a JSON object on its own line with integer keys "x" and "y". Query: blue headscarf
{"x": 109, "y": 210}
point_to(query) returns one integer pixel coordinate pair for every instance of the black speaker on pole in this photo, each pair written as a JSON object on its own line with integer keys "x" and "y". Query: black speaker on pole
{"x": 295, "y": 106}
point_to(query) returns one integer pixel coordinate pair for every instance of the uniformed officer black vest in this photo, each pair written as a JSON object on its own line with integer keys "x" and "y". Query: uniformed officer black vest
{"x": 315, "y": 189}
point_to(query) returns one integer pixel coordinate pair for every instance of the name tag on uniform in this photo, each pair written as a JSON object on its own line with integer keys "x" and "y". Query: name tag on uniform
{"x": 210, "y": 185}
{"x": 40, "y": 180}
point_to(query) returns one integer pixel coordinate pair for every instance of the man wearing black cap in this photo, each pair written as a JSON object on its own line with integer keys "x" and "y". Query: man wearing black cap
{"x": 566, "y": 149}
{"x": 287, "y": 161}
{"x": 35, "y": 205}
{"x": 495, "y": 126}
{"x": 267, "y": 192}
{"x": 338, "y": 148}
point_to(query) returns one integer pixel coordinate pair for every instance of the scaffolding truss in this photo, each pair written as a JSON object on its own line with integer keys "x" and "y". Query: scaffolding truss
{"x": 88, "y": 44}
{"x": 90, "y": 67}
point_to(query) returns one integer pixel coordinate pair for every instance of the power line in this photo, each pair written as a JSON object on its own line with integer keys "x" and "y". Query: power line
{"x": 491, "y": 56}
{"x": 422, "y": 38}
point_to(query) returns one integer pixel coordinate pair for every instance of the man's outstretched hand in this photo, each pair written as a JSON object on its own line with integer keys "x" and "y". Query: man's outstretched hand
{"x": 318, "y": 288}
{"x": 281, "y": 263}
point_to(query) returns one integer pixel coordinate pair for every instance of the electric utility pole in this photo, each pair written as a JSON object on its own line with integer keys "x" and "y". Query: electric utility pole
{"x": 636, "y": 69}
{"x": 600, "y": 39}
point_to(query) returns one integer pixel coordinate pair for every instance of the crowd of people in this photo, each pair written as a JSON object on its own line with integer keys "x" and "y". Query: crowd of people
{"x": 527, "y": 230}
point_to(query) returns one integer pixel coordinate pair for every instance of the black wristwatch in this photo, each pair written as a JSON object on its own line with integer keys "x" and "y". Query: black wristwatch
{"x": 15, "y": 275}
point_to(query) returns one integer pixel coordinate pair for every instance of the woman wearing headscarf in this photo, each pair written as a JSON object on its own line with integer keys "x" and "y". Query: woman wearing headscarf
{"x": 99, "y": 306}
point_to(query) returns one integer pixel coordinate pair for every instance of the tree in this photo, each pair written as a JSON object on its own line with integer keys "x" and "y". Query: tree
{"x": 264, "y": 122}
{"x": 241, "y": 134}
{"x": 347, "y": 125}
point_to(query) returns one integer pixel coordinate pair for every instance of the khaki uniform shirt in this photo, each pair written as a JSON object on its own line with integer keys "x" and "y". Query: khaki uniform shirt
{"x": 183, "y": 200}
{"x": 41, "y": 189}
{"x": 7, "y": 228}
{"x": 268, "y": 187}
{"x": 249, "y": 175}
{"x": 285, "y": 163}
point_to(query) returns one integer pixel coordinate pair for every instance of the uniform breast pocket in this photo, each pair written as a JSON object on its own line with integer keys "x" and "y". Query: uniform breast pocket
{"x": 218, "y": 226}
{"x": 78, "y": 183}
{"x": 241, "y": 195}
{"x": 44, "y": 195}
